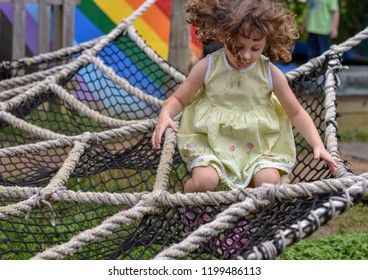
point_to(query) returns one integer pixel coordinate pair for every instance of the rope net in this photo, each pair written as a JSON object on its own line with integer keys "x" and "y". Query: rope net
{"x": 80, "y": 180}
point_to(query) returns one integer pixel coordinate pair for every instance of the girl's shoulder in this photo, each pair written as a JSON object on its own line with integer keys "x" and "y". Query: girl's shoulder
{"x": 216, "y": 54}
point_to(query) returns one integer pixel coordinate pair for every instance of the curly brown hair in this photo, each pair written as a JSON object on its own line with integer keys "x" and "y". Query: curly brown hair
{"x": 223, "y": 20}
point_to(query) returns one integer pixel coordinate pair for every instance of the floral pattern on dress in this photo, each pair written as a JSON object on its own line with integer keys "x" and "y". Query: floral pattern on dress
{"x": 191, "y": 145}
{"x": 250, "y": 147}
{"x": 232, "y": 149}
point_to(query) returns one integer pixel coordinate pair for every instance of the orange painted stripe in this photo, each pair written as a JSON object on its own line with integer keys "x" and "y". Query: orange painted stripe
{"x": 155, "y": 18}
{"x": 197, "y": 50}
{"x": 195, "y": 45}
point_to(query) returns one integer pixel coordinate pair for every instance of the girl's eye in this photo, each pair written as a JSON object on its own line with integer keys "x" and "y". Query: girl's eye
{"x": 255, "y": 50}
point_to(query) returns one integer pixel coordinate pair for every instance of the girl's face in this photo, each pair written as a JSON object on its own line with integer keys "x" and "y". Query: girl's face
{"x": 249, "y": 49}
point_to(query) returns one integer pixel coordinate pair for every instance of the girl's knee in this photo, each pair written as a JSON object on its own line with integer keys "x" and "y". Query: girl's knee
{"x": 267, "y": 176}
{"x": 203, "y": 179}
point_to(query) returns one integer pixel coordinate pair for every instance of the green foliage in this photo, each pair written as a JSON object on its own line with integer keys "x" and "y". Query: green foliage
{"x": 299, "y": 9}
{"x": 353, "y": 16}
{"x": 353, "y": 136}
{"x": 345, "y": 237}
{"x": 350, "y": 246}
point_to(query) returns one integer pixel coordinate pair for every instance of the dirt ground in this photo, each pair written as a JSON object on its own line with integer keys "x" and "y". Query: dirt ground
{"x": 357, "y": 165}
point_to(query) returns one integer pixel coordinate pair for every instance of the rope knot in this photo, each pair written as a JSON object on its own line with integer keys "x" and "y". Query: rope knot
{"x": 39, "y": 200}
{"x": 3, "y": 106}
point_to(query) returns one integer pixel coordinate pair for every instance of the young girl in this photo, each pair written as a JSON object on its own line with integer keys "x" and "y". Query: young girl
{"x": 236, "y": 127}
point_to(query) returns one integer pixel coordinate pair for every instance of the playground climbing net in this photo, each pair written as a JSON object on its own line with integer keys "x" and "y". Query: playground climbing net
{"x": 79, "y": 179}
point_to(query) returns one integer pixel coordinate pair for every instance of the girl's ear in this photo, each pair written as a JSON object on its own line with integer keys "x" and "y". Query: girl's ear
{"x": 222, "y": 38}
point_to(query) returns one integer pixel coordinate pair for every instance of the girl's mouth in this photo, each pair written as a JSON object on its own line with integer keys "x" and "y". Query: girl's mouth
{"x": 242, "y": 64}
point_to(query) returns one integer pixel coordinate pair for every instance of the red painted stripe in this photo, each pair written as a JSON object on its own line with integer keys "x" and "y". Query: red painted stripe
{"x": 165, "y": 6}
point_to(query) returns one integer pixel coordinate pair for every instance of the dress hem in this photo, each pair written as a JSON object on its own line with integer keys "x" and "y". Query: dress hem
{"x": 285, "y": 167}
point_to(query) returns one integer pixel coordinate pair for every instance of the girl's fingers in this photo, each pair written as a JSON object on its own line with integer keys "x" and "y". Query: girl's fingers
{"x": 332, "y": 165}
{"x": 174, "y": 126}
{"x": 159, "y": 131}
{"x": 155, "y": 140}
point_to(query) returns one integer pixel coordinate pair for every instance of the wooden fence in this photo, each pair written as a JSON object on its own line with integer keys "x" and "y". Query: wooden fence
{"x": 62, "y": 23}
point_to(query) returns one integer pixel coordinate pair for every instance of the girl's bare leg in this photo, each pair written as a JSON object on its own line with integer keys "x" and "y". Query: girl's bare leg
{"x": 204, "y": 178}
{"x": 268, "y": 176}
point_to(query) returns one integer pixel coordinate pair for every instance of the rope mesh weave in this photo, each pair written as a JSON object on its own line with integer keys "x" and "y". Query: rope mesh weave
{"x": 80, "y": 180}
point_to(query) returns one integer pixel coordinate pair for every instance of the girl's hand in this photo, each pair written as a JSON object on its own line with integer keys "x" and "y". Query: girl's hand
{"x": 322, "y": 153}
{"x": 164, "y": 121}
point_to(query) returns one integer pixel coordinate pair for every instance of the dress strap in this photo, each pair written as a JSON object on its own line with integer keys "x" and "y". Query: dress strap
{"x": 210, "y": 62}
{"x": 269, "y": 76}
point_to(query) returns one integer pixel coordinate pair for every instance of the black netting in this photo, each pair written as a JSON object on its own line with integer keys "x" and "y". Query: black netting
{"x": 122, "y": 163}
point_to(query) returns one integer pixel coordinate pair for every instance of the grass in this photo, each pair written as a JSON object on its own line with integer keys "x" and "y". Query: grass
{"x": 349, "y": 246}
{"x": 345, "y": 237}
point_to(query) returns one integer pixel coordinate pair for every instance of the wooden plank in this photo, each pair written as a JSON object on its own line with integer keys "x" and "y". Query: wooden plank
{"x": 352, "y": 122}
{"x": 353, "y": 111}
{"x": 63, "y": 33}
{"x": 67, "y": 31}
{"x": 18, "y": 40}
{"x": 44, "y": 26}
{"x": 57, "y": 38}
{"x": 352, "y": 104}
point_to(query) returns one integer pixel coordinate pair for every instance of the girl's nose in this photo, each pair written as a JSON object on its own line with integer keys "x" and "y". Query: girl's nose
{"x": 246, "y": 55}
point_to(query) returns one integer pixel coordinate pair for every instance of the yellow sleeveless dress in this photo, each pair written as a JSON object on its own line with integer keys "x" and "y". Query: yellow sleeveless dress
{"x": 236, "y": 124}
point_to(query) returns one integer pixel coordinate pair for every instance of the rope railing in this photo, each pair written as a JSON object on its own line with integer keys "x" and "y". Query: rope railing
{"x": 344, "y": 190}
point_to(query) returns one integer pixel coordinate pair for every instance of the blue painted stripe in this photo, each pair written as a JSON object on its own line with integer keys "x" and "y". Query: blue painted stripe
{"x": 84, "y": 29}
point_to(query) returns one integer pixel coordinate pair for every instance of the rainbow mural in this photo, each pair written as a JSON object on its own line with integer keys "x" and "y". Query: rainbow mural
{"x": 101, "y": 16}
{"x": 94, "y": 18}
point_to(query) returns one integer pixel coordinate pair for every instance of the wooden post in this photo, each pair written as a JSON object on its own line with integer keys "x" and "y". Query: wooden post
{"x": 68, "y": 13}
{"x": 179, "y": 50}
{"x": 19, "y": 26}
{"x": 63, "y": 33}
{"x": 44, "y": 26}
{"x": 64, "y": 17}
{"x": 57, "y": 39}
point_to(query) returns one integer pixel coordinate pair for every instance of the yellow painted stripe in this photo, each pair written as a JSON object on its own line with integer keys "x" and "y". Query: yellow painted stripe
{"x": 155, "y": 18}
{"x": 117, "y": 10}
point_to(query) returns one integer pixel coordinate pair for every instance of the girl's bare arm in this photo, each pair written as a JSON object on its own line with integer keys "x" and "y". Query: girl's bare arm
{"x": 300, "y": 118}
{"x": 176, "y": 102}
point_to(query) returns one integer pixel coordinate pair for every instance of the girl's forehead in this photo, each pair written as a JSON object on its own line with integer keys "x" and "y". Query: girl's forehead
{"x": 250, "y": 39}
{"x": 256, "y": 33}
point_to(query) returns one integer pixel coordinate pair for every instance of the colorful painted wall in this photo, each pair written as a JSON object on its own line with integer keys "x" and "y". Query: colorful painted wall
{"x": 94, "y": 18}
{"x": 100, "y": 16}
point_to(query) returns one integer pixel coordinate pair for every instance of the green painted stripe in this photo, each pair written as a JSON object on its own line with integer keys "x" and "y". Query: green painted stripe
{"x": 96, "y": 16}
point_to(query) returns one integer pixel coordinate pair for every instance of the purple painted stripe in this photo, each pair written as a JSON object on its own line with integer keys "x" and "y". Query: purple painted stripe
{"x": 83, "y": 92}
{"x": 31, "y": 34}
{"x": 31, "y": 27}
